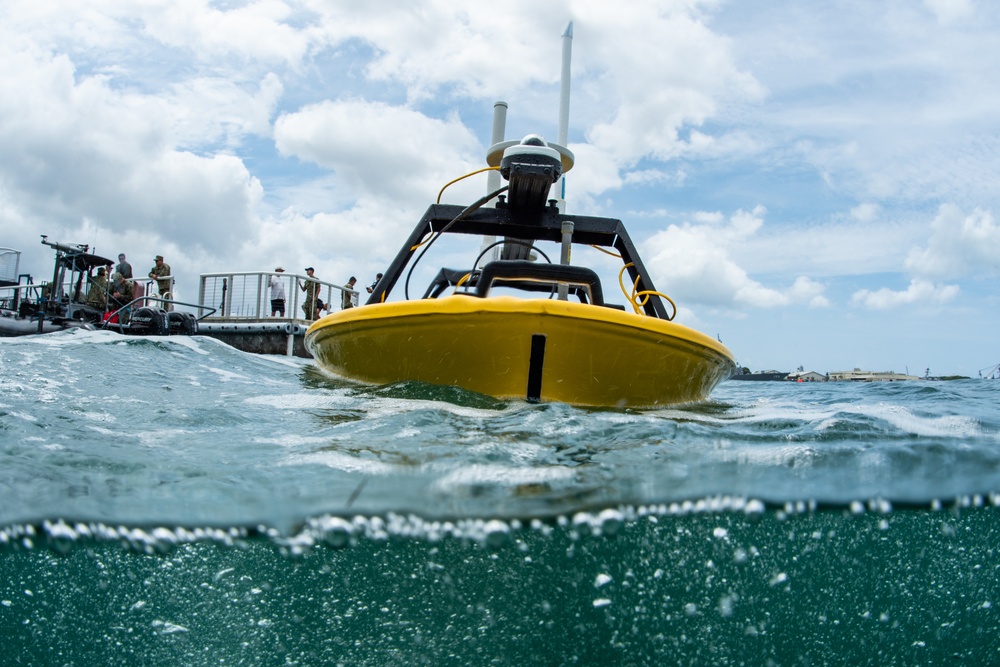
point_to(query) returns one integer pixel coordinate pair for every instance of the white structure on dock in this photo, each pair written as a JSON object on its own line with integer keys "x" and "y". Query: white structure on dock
{"x": 858, "y": 375}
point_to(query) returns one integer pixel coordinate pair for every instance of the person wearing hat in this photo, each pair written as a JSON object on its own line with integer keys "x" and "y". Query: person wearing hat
{"x": 164, "y": 281}
{"x": 97, "y": 295}
{"x": 122, "y": 290}
{"x": 311, "y": 288}
{"x": 277, "y": 293}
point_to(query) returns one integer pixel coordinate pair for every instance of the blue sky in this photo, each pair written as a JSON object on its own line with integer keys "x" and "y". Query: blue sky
{"x": 815, "y": 183}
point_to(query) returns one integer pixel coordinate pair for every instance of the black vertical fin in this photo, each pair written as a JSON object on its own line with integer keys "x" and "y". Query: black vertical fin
{"x": 535, "y": 365}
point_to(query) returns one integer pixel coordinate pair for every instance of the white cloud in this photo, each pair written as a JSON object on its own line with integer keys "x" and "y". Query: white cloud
{"x": 960, "y": 245}
{"x": 77, "y": 148}
{"x": 838, "y": 246}
{"x": 950, "y": 11}
{"x": 808, "y": 291}
{"x": 471, "y": 50}
{"x": 693, "y": 262}
{"x": 920, "y": 292}
{"x": 594, "y": 173}
{"x": 688, "y": 74}
{"x": 263, "y": 31}
{"x": 867, "y": 212}
{"x": 256, "y": 31}
{"x": 381, "y": 149}
{"x": 687, "y": 70}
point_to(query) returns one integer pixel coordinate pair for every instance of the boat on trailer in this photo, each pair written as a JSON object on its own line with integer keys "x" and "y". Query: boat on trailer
{"x": 513, "y": 323}
{"x": 28, "y": 308}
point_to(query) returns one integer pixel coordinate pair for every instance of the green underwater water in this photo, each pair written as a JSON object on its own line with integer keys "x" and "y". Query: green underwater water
{"x": 836, "y": 586}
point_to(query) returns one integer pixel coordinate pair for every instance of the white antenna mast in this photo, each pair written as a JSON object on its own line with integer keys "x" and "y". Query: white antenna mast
{"x": 563, "y": 140}
{"x": 500, "y": 125}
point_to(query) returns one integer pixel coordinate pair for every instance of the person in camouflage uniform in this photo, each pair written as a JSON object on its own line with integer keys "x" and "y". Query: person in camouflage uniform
{"x": 311, "y": 288}
{"x": 97, "y": 295}
{"x": 347, "y": 295}
{"x": 122, "y": 290}
{"x": 164, "y": 282}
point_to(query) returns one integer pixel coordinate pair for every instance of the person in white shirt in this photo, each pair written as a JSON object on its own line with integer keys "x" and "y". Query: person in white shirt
{"x": 277, "y": 294}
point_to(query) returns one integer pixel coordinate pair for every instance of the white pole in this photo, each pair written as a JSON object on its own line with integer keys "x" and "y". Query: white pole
{"x": 567, "y": 53}
{"x": 493, "y": 180}
{"x": 499, "y": 128}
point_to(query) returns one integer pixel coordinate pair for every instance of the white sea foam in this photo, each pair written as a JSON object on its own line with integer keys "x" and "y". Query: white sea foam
{"x": 188, "y": 342}
{"x": 345, "y": 462}
{"x": 226, "y": 375}
{"x": 905, "y": 420}
{"x": 305, "y": 400}
{"x": 500, "y": 475}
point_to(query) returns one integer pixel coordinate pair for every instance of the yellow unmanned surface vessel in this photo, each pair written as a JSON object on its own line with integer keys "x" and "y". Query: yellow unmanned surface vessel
{"x": 516, "y": 325}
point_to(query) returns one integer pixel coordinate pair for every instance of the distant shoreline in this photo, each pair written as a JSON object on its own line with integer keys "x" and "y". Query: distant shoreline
{"x": 856, "y": 375}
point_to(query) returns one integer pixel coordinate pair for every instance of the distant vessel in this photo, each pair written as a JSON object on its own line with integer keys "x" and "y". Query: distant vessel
{"x": 770, "y": 376}
{"x": 28, "y": 308}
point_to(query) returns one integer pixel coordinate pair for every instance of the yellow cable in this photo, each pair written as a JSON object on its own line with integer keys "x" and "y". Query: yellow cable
{"x": 461, "y": 282}
{"x": 621, "y": 283}
{"x": 635, "y": 303}
{"x": 673, "y": 305}
{"x": 471, "y": 173}
{"x": 426, "y": 239}
{"x": 606, "y": 252}
{"x": 633, "y": 298}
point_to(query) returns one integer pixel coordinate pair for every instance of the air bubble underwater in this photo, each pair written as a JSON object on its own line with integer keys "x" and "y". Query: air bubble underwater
{"x": 718, "y": 580}
{"x": 334, "y": 531}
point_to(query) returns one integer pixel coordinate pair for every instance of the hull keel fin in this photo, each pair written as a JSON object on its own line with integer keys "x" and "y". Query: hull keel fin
{"x": 535, "y": 364}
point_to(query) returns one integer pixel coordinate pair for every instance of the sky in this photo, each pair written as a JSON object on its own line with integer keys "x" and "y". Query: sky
{"x": 815, "y": 184}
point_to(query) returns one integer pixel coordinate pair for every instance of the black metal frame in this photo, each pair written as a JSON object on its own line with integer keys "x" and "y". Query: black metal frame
{"x": 542, "y": 226}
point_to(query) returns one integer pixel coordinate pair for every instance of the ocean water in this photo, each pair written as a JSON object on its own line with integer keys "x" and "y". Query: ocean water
{"x": 177, "y": 502}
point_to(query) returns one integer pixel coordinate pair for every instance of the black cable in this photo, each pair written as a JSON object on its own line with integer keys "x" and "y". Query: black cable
{"x": 468, "y": 209}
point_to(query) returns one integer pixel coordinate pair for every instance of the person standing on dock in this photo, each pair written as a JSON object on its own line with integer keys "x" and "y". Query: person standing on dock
{"x": 277, "y": 294}
{"x": 311, "y": 288}
{"x": 164, "y": 281}
{"x": 347, "y": 296}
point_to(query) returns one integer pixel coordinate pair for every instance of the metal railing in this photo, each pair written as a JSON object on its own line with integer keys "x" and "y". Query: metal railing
{"x": 247, "y": 295}
{"x": 12, "y": 296}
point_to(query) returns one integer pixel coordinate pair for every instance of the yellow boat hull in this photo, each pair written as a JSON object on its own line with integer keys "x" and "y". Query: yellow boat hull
{"x": 539, "y": 349}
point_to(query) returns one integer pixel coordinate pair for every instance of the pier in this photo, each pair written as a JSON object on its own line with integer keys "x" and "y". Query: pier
{"x": 243, "y": 310}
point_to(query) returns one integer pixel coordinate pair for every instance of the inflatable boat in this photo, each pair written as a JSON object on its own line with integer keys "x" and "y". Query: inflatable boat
{"x": 68, "y": 301}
